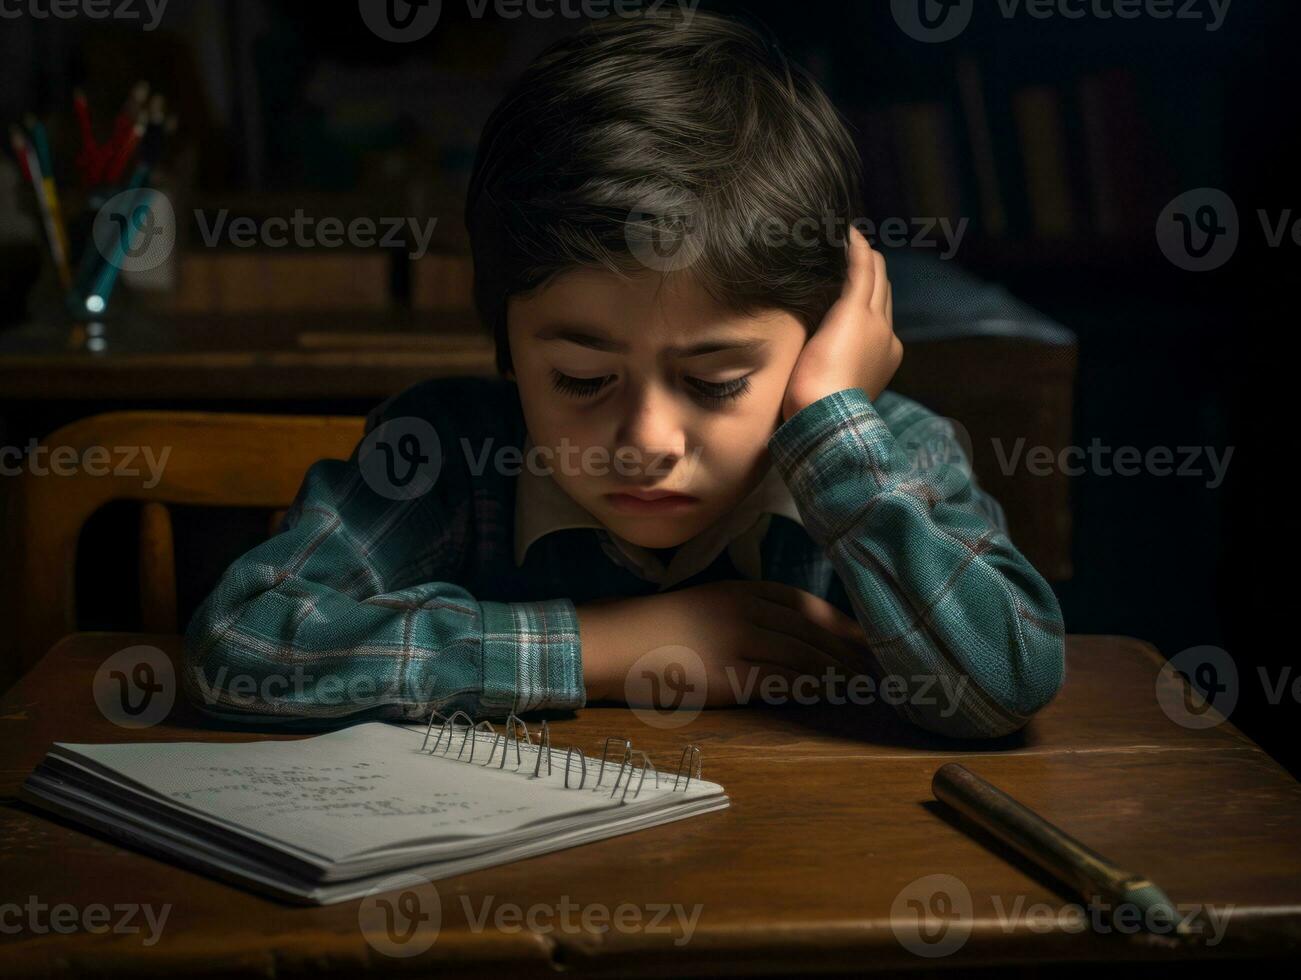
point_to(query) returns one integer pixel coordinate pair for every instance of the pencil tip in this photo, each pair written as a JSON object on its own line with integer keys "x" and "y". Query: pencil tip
{"x": 1152, "y": 903}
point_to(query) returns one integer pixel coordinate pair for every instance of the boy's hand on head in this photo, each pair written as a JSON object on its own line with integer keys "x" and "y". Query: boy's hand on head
{"x": 741, "y": 631}
{"x": 855, "y": 345}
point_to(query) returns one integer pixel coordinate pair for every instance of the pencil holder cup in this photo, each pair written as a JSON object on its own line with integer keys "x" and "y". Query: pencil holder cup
{"x": 129, "y": 229}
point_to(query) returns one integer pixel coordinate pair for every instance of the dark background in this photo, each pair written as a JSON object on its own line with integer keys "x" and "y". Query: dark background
{"x": 297, "y": 98}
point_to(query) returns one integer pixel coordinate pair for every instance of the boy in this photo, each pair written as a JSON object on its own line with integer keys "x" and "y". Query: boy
{"x": 691, "y": 445}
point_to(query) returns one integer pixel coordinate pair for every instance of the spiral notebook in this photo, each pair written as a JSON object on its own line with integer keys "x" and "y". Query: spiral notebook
{"x": 329, "y": 818}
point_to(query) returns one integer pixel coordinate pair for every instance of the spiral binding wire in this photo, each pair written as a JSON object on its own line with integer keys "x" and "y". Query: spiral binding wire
{"x": 575, "y": 771}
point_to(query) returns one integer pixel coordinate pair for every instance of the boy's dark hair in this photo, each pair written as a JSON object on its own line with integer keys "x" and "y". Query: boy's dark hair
{"x": 686, "y": 131}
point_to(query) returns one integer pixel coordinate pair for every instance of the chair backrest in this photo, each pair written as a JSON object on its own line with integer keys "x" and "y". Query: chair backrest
{"x": 201, "y": 459}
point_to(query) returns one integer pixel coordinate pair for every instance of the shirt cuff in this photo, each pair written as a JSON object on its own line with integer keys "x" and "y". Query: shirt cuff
{"x": 531, "y": 657}
{"x": 833, "y": 447}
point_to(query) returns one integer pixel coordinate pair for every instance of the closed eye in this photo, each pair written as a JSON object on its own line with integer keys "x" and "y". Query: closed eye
{"x": 720, "y": 391}
{"x": 709, "y": 391}
{"x": 579, "y": 387}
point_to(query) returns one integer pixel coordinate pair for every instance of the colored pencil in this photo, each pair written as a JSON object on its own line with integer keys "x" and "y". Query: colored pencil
{"x": 56, "y": 241}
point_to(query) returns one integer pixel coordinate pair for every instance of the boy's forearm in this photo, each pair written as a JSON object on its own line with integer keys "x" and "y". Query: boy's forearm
{"x": 941, "y": 592}
{"x": 603, "y": 628}
{"x": 306, "y": 626}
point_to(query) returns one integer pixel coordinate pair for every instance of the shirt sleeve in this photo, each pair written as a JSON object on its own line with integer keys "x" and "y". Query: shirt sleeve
{"x": 352, "y": 609}
{"x": 957, "y": 618}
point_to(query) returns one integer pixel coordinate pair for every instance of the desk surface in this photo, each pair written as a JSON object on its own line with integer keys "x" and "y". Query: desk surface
{"x": 244, "y": 356}
{"x": 831, "y": 820}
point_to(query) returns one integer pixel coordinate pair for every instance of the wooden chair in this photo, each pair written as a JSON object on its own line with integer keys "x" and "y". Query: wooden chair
{"x": 214, "y": 459}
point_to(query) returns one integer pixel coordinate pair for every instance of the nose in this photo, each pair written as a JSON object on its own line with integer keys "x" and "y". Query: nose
{"x": 651, "y": 436}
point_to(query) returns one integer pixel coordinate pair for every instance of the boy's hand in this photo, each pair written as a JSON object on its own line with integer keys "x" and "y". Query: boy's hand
{"x": 754, "y": 628}
{"x": 855, "y": 345}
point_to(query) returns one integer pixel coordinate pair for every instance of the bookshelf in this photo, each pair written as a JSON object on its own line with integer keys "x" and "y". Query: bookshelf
{"x": 1058, "y": 140}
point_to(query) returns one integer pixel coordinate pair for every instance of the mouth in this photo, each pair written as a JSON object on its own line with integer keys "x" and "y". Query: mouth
{"x": 652, "y": 501}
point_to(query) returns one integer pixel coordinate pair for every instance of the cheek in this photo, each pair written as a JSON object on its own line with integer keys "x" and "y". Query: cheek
{"x": 552, "y": 418}
{"x": 733, "y": 444}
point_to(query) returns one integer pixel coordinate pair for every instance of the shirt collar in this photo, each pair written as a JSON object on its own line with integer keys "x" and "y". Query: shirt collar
{"x": 542, "y": 506}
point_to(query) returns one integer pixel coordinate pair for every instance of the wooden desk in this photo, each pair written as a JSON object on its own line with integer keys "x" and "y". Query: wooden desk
{"x": 831, "y": 818}
{"x": 192, "y": 357}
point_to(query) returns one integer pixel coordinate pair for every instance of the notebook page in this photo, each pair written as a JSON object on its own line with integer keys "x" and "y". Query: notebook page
{"x": 359, "y": 789}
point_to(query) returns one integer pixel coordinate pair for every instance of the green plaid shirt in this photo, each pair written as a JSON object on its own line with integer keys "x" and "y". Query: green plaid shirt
{"x": 385, "y": 598}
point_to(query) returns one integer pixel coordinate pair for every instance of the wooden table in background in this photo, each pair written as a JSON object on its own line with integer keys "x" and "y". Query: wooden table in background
{"x": 831, "y": 818}
{"x": 259, "y": 356}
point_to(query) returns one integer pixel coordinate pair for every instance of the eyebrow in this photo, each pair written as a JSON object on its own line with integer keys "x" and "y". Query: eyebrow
{"x": 585, "y": 337}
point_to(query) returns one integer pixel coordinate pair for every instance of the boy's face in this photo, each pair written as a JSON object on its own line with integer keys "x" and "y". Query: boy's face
{"x": 627, "y": 380}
